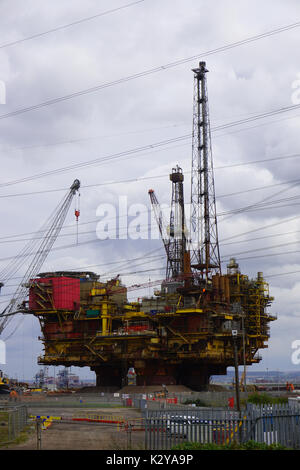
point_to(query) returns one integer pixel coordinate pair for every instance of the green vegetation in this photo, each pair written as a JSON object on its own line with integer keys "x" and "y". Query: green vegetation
{"x": 197, "y": 402}
{"x": 4, "y": 435}
{"x": 250, "y": 445}
{"x": 265, "y": 399}
{"x": 24, "y": 435}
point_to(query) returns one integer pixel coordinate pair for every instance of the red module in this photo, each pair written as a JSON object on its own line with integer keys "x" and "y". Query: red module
{"x": 64, "y": 293}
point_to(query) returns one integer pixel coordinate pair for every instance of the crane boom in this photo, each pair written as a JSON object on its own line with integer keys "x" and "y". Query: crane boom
{"x": 39, "y": 251}
{"x": 162, "y": 226}
{"x": 174, "y": 239}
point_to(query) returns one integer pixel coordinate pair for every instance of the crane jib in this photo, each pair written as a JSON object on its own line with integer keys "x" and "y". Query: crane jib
{"x": 37, "y": 252}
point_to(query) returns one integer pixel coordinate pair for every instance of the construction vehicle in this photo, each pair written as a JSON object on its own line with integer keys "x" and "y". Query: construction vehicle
{"x": 4, "y": 383}
{"x": 182, "y": 334}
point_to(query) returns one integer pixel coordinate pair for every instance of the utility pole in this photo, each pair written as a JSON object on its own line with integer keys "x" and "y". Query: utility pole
{"x": 236, "y": 368}
{"x": 244, "y": 352}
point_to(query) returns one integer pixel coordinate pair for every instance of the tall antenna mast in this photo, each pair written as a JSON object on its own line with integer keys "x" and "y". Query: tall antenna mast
{"x": 205, "y": 255}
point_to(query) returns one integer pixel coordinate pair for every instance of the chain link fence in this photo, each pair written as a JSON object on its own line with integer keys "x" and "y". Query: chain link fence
{"x": 13, "y": 420}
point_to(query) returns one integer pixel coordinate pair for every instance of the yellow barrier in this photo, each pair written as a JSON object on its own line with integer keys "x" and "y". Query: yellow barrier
{"x": 46, "y": 420}
{"x": 121, "y": 423}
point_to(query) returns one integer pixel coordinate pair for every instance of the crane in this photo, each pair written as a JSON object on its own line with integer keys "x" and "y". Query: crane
{"x": 38, "y": 248}
{"x": 163, "y": 230}
{"x": 173, "y": 237}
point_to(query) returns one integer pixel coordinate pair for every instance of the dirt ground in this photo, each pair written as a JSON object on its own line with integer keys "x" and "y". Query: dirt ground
{"x": 66, "y": 435}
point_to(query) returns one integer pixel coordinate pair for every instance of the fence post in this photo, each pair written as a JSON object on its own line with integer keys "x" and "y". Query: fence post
{"x": 129, "y": 436}
{"x": 39, "y": 433}
{"x": 9, "y": 425}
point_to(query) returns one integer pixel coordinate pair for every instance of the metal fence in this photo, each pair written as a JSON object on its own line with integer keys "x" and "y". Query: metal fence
{"x": 165, "y": 429}
{"x": 13, "y": 420}
{"x": 275, "y": 424}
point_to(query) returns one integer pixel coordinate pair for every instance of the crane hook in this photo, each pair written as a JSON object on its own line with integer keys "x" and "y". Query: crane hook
{"x": 77, "y": 214}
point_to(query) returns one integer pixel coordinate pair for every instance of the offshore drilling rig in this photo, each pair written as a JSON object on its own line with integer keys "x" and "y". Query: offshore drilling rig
{"x": 192, "y": 326}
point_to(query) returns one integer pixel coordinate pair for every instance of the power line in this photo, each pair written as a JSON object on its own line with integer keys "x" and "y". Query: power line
{"x": 150, "y": 71}
{"x": 284, "y": 157}
{"x": 9, "y": 239}
{"x": 261, "y": 238}
{"x": 284, "y": 221}
{"x": 147, "y": 230}
{"x": 261, "y": 205}
{"x": 281, "y": 274}
{"x": 258, "y": 125}
{"x": 122, "y": 262}
{"x": 99, "y": 160}
{"x": 264, "y": 256}
{"x": 74, "y": 23}
{"x": 112, "y": 272}
{"x": 14, "y": 239}
{"x": 65, "y": 247}
{"x": 84, "y": 139}
{"x": 259, "y": 188}
{"x": 144, "y": 178}
{"x": 256, "y": 209}
{"x": 223, "y": 244}
{"x": 137, "y": 150}
{"x": 11, "y": 236}
{"x": 262, "y": 249}
{"x": 255, "y": 205}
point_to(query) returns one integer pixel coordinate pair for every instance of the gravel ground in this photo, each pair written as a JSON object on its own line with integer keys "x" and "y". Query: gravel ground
{"x": 63, "y": 435}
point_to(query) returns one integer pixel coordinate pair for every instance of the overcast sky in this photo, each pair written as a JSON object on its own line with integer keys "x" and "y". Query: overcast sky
{"x": 243, "y": 82}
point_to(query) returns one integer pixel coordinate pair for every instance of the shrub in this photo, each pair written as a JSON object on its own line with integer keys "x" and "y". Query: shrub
{"x": 197, "y": 402}
{"x": 265, "y": 399}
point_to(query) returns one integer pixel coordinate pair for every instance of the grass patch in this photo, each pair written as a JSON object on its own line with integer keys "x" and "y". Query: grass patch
{"x": 4, "y": 436}
{"x": 250, "y": 445}
{"x": 24, "y": 435}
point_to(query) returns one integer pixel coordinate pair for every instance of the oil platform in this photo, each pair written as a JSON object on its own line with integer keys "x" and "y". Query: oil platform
{"x": 192, "y": 326}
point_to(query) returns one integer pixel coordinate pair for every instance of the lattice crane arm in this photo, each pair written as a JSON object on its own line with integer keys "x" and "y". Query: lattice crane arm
{"x": 162, "y": 226}
{"x": 39, "y": 249}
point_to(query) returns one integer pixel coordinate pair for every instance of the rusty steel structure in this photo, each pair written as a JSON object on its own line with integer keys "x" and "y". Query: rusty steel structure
{"x": 182, "y": 334}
